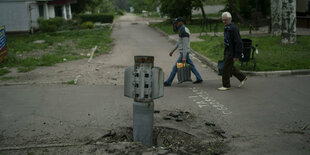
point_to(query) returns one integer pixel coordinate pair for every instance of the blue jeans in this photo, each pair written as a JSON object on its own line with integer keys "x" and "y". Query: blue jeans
{"x": 174, "y": 69}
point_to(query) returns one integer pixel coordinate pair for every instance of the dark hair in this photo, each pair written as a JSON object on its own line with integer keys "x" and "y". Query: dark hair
{"x": 180, "y": 19}
{"x": 175, "y": 21}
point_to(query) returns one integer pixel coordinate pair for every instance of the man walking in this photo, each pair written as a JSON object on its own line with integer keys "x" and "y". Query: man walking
{"x": 232, "y": 52}
{"x": 184, "y": 47}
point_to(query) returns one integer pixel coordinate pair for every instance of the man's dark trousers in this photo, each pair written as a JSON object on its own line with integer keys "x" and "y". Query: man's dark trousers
{"x": 230, "y": 69}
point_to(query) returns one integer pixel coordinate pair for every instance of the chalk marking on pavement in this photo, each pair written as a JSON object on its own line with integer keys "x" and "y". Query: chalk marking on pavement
{"x": 212, "y": 102}
{"x": 200, "y": 106}
{"x": 204, "y": 99}
{"x": 201, "y": 103}
{"x": 200, "y": 95}
{"x": 226, "y": 112}
{"x": 222, "y": 108}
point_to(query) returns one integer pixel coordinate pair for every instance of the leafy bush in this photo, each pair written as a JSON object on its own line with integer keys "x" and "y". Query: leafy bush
{"x": 58, "y": 21}
{"x": 120, "y": 12}
{"x": 69, "y": 25}
{"x": 103, "y": 18}
{"x": 70, "y": 22}
{"x": 247, "y": 8}
{"x": 50, "y": 25}
{"x": 4, "y": 71}
{"x": 50, "y": 28}
{"x": 87, "y": 25}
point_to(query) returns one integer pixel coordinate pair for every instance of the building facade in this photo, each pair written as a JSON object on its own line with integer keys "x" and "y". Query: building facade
{"x": 22, "y": 15}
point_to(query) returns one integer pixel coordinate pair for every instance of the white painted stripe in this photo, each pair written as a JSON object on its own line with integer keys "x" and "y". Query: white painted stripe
{"x": 76, "y": 79}
{"x": 92, "y": 53}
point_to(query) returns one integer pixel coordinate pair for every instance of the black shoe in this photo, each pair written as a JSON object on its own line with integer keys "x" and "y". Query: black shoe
{"x": 197, "y": 81}
{"x": 166, "y": 84}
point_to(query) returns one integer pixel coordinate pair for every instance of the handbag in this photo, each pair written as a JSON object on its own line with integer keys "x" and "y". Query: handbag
{"x": 184, "y": 72}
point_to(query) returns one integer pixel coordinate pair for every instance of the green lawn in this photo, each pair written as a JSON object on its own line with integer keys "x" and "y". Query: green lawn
{"x": 5, "y": 78}
{"x": 24, "y": 54}
{"x": 272, "y": 54}
{"x": 194, "y": 28}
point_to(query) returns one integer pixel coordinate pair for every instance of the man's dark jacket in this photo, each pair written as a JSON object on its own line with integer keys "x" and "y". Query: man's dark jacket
{"x": 235, "y": 42}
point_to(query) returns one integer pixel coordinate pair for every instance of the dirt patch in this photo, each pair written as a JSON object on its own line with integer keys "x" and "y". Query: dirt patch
{"x": 177, "y": 116}
{"x": 169, "y": 139}
{"x": 120, "y": 141}
{"x": 69, "y": 46}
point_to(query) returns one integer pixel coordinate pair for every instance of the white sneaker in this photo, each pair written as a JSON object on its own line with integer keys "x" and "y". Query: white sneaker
{"x": 242, "y": 82}
{"x": 223, "y": 88}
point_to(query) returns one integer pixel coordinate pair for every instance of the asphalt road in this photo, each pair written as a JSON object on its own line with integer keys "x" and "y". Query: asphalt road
{"x": 269, "y": 115}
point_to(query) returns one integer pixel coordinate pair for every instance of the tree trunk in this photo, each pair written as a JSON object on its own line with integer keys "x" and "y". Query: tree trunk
{"x": 276, "y": 17}
{"x": 288, "y": 21}
{"x": 230, "y": 6}
{"x": 233, "y": 11}
{"x": 203, "y": 12}
{"x": 256, "y": 16}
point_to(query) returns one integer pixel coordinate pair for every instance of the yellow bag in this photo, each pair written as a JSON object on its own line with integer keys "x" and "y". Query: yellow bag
{"x": 180, "y": 65}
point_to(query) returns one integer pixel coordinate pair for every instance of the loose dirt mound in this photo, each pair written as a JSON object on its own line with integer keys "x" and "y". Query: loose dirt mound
{"x": 169, "y": 139}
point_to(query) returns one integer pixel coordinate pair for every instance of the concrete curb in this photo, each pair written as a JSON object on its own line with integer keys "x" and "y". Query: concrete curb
{"x": 213, "y": 65}
{"x": 279, "y": 73}
{"x": 33, "y": 83}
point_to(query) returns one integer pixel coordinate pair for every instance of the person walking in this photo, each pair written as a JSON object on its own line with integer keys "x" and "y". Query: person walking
{"x": 233, "y": 47}
{"x": 184, "y": 47}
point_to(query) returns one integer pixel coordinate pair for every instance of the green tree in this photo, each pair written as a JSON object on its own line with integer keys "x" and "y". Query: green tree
{"x": 122, "y": 4}
{"x": 82, "y": 6}
{"x": 176, "y": 8}
{"x": 245, "y": 10}
{"x": 139, "y": 5}
{"x": 94, "y": 6}
{"x": 104, "y": 6}
{"x": 198, "y": 4}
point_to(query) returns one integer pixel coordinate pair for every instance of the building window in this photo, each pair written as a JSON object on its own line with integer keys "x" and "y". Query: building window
{"x": 309, "y": 7}
{"x": 58, "y": 11}
{"x": 41, "y": 10}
